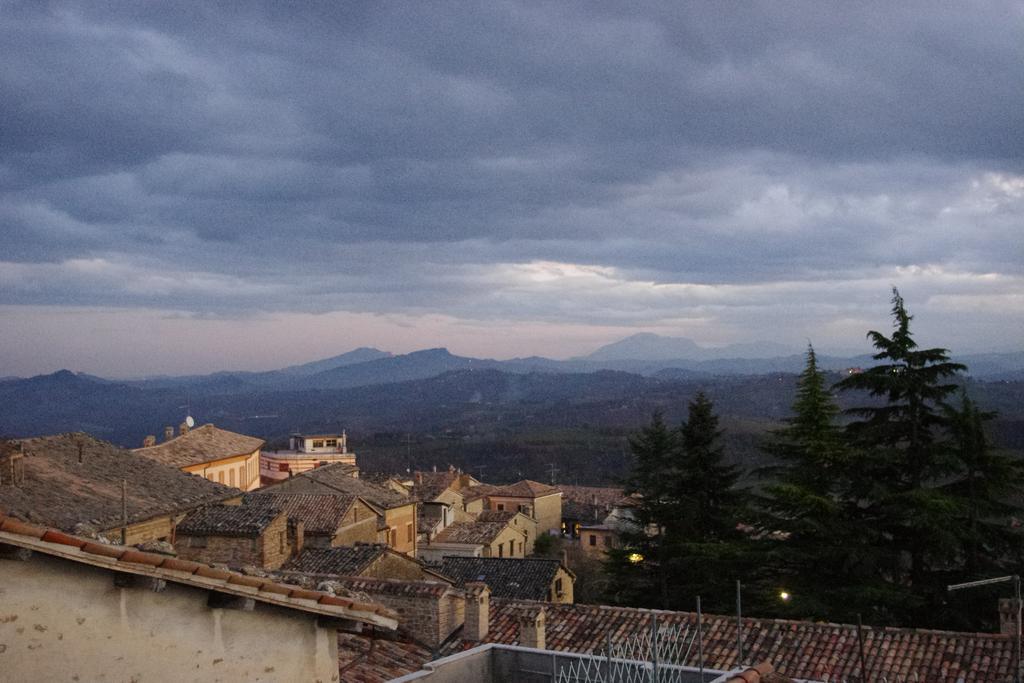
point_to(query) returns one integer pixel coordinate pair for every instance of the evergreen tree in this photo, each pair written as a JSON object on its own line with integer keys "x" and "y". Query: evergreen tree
{"x": 986, "y": 489}
{"x": 804, "y": 531}
{"x": 635, "y": 568}
{"x": 906, "y": 521}
{"x": 684, "y": 542}
{"x": 703, "y": 551}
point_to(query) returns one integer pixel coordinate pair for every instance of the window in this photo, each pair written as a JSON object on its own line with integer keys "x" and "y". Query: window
{"x": 500, "y": 507}
{"x": 521, "y": 550}
{"x": 511, "y": 548}
{"x": 231, "y": 476}
{"x": 593, "y": 539}
{"x": 220, "y": 476}
{"x": 394, "y": 537}
{"x": 408, "y": 532}
{"x": 501, "y": 550}
{"x": 282, "y": 467}
{"x": 318, "y": 443}
{"x": 331, "y": 443}
{"x": 558, "y": 586}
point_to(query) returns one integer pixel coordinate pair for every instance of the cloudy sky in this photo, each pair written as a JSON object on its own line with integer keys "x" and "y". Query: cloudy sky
{"x": 190, "y": 189}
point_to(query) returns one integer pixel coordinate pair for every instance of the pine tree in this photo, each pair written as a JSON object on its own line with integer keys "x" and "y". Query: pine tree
{"x": 905, "y": 519}
{"x": 703, "y": 552}
{"x": 988, "y": 522}
{"x": 685, "y": 542}
{"x": 634, "y": 567}
{"x": 804, "y": 533}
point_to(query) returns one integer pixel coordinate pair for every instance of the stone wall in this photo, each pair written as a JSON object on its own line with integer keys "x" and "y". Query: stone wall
{"x": 427, "y": 611}
{"x": 270, "y": 550}
{"x": 392, "y": 566}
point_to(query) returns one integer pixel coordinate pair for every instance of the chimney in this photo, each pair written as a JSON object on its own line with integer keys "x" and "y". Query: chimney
{"x": 297, "y": 532}
{"x": 419, "y": 477}
{"x": 1008, "y": 616}
{"x": 149, "y": 441}
{"x": 565, "y": 557}
{"x": 531, "y": 626}
{"x": 12, "y": 464}
{"x": 478, "y": 611}
{"x": 168, "y": 433}
{"x": 183, "y": 428}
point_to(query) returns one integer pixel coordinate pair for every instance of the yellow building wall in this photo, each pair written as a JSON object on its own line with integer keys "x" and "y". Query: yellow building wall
{"x": 547, "y": 510}
{"x": 566, "y": 595}
{"x": 509, "y": 540}
{"x": 402, "y": 520}
{"x": 241, "y": 471}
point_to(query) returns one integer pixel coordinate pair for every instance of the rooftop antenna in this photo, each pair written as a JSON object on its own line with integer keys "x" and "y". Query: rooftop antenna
{"x": 552, "y": 470}
{"x": 189, "y": 420}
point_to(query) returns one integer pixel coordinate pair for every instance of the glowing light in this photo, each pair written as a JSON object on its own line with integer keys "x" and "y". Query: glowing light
{"x": 635, "y": 558}
{"x": 784, "y": 596}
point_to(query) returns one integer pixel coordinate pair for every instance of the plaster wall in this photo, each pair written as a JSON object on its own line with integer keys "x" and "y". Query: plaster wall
{"x": 62, "y": 621}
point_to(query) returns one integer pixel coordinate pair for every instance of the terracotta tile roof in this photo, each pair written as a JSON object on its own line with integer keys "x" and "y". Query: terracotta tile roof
{"x": 398, "y": 587}
{"x": 199, "y": 445}
{"x": 336, "y": 478}
{"x": 526, "y": 489}
{"x": 60, "y": 491}
{"x": 521, "y": 489}
{"x": 343, "y": 560}
{"x": 514, "y": 578}
{"x": 320, "y": 513}
{"x": 592, "y": 495}
{"x": 496, "y": 515}
{"x": 363, "y": 659}
{"x": 228, "y": 520}
{"x": 471, "y": 532}
{"x": 130, "y": 561}
{"x": 799, "y": 649}
{"x": 588, "y": 503}
{"x": 429, "y": 485}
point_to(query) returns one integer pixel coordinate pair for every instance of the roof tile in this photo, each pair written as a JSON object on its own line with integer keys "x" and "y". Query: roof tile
{"x": 200, "y": 445}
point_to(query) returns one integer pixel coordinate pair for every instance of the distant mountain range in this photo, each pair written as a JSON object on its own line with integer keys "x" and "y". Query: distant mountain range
{"x": 515, "y": 417}
{"x": 653, "y": 347}
{"x": 645, "y": 354}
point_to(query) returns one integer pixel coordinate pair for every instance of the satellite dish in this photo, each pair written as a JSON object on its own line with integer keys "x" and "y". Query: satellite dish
{"x": 190, "y": 421}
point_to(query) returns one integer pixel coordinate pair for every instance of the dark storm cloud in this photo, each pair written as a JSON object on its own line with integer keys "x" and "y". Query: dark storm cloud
{"x": 426, "y": 157}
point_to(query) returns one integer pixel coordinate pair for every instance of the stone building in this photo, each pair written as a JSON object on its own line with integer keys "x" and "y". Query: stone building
{"x": 528, "y": 525}
{"x": 475, "y": 539}
{"x": 369, "y": 560}
{"x": 327, "y": 519}
{"x": 211, "y": 453}
{"x": 77, "y": 483}
{"x": 529, "y": 578}
{"x": 73, "y": 609}
{"x": 540, "y": 501}
{"x": 238, "y": 536}
{"x": 396, "y": 513}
